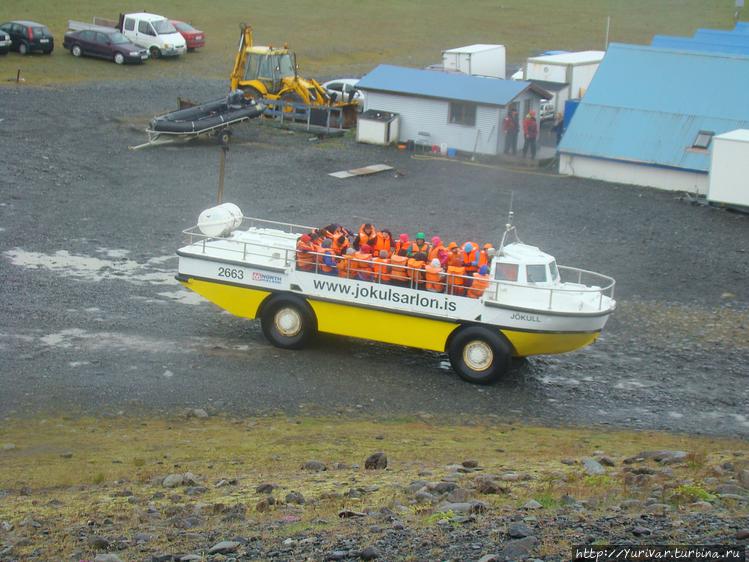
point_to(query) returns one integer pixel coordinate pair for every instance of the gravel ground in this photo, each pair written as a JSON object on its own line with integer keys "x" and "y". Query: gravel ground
{"x": 93, "y": 321}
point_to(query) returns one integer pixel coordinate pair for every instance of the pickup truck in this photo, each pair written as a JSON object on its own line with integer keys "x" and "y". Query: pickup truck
{"x": 149, "y": 31}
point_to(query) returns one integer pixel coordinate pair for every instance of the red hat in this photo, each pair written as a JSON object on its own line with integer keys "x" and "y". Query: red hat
{"x": 403, "y": 237}
{"x": 366, "y": 249}
{"x": 306, "y": 238}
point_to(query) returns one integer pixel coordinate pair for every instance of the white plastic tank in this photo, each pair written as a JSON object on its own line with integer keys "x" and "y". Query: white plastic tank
{"x": 220, "y": 220}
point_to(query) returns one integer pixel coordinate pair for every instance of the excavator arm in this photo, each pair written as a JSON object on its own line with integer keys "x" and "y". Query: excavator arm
{"x": 245, "y": 40}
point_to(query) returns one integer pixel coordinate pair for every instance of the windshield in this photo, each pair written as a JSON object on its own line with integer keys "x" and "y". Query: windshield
{"x": 536, "y": 273}
{"x": 118, "y": 39}
{"x": 182, "y": 26}
{"x": 268, "y": 67}
{"x": 163, "y": 27}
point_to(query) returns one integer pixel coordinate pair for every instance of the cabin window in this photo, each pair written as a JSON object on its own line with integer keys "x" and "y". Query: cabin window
{"x": 506, "y": 272}
{"x": 129, "y": 24}
{"x": 535, "y": 273}
{"x": 462, "y": 113}
{"x": 703, "y": 139}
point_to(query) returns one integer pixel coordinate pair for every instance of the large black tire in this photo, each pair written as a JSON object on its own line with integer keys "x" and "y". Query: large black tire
{"x": 288, "y": 321}
{"x": 155, "y": 52}
{"x": 479, "y": 355}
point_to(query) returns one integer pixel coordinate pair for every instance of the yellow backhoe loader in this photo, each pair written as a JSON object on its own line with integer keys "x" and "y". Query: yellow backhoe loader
{"x": 271, "y": 73}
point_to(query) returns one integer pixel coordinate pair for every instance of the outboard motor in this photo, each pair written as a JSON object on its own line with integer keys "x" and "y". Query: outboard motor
{"x": 235, "y": 100}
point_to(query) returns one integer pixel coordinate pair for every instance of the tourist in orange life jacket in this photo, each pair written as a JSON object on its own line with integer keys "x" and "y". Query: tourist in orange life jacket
{"x": 486, "y": 255}
{"x": 363, "y": 263}
{"x": 305, "y": 261}
{"x": 437, "y": 251}
{"x": 344, "y": 264}
{"x": 455, "y": 270}
{"x": 480, "y": 282}
{"x": 398, "y": 273}
{"x": 381, "y": 267}
{"x": 402, "y": 244}
{"x": 367, "y": 235}
{"x": 471, "y": 251}
{"x": 435, "y": 277}
{"x": 383, "y": 241}
{"x": 416, "y": 273}
{"x": 420, "y": 245}
{"x": 340, "y": 244}
{"x": 455, "y": 255}
{"x": 327, "y": 264}
{"x": 329, "y": 231}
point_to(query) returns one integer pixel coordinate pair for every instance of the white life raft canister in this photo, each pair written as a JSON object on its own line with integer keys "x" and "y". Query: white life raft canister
{"x": 220, "y": 220}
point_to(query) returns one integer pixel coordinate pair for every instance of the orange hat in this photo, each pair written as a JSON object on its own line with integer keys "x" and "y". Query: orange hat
{"x": 452, "y": 245}
{"x": 487, "y": 246}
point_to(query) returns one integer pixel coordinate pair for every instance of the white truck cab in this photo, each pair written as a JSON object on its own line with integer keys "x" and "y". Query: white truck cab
{"x": 153, "y": 32}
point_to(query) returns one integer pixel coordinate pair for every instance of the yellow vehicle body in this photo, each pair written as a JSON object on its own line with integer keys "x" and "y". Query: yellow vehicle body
{"x": 271, "y": 73}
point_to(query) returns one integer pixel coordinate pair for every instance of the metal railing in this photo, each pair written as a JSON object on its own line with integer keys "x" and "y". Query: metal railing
{"x": 297, "y": 112}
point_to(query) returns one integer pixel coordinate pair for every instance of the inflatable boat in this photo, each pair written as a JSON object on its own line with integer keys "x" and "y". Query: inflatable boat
{"x": 208, "y": 115}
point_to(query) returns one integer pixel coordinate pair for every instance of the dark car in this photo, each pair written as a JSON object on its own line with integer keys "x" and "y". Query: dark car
{"x": 194, "y": 38}
{"x": 28, "y": 36}
{"x": 5, "y": 42}
{"x": 105, "y": 43}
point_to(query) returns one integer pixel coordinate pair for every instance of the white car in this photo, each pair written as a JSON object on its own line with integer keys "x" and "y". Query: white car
{"x": 344, "y": 89}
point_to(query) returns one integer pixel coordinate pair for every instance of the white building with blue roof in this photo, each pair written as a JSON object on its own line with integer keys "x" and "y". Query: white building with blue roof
{"x": 461, "y": 111}
{"x": 650, "y": 113}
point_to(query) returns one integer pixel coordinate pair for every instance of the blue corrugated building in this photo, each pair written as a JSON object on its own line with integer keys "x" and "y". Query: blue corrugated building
{"x": 459, "y": 110}
{"x": 650, "y": 113}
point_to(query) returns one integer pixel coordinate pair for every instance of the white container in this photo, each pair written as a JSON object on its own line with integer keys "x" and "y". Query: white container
{"x": 729, "y": 169}
{"x": 477, "y": 60}
{"x": 220, "y": 220}
{"x": 443, "y": 149}
{"x": 377, "y": 127}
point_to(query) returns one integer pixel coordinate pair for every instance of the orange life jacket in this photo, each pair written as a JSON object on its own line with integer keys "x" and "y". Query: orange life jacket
{"x": 455, "y": 284}
{"x": 363, "y": 267}
{"x": 339, "y": 249}
{"x": 382, "y": 244}
{"x": 304, "y": 260}
{"x": 381, "y": 269}
{"x": 415, "y": 249}
{"x": 344, "y": 265}
{"x": 435, "y": 252}
{"x": 435, "y": 279}
{"x": 365, "y": 238}
{"x": 484, "y": 259}
{"x": 471, "y": 257}
{"x": 397, "y": 268}
{"x": 403, "y": 246}
{"x": 416, "y": 273}
{"x": 456, "y": 259}
{"x": 479, "y": 285}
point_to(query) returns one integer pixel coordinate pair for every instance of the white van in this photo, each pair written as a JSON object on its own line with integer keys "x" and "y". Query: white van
{"x": 153, "y": 32}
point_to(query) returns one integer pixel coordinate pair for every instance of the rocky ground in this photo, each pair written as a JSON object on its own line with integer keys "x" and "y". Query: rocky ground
{"x": 206, "y": 488}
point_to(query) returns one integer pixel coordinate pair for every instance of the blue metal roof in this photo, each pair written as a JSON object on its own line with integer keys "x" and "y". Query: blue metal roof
{"x": 691, "y": 44}
{"x": 445, "y": 85}
{"x": 647, "y": 104}
{"x": 720, "y": 36}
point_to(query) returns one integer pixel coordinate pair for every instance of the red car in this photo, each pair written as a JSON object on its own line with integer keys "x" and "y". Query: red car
{"x": 193, "y": 37}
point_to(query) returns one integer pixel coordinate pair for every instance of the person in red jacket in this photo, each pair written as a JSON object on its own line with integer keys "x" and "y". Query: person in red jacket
{"x": 510, "y": 129}
{"x": 530, "y": 131}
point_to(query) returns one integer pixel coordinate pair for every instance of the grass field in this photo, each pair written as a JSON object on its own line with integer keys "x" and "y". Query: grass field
{"x": 350, "y": 38}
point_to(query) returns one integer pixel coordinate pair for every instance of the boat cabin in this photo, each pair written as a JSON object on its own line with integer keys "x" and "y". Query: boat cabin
{"x": 524, "y": 264}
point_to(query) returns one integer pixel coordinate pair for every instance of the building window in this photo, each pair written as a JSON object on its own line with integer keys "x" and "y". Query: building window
{"x": 462, "y": 113}
{"x": 703, "y": 139}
